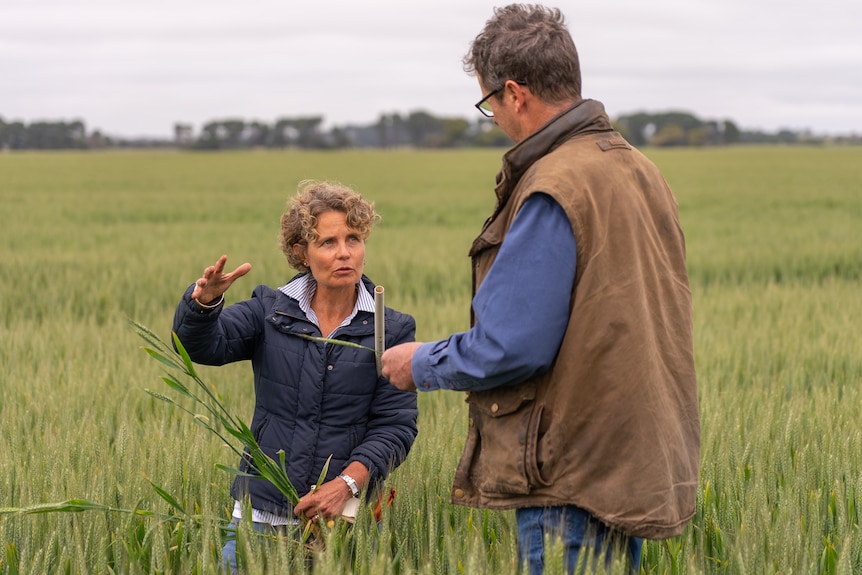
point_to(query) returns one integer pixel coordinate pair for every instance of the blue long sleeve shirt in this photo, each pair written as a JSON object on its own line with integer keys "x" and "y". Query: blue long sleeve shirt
{"x": 521, "y": 308}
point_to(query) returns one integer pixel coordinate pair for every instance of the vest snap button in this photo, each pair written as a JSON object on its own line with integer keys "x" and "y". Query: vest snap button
{"x": 495, "y": 408}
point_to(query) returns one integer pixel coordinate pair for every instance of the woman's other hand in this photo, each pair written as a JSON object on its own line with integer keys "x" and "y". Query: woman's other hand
{"x": 328, "y": 500}
{"x": 325, "y": 502}
{"x": 212, "y": 285}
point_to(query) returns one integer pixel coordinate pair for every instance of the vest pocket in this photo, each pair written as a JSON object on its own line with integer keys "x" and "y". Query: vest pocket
{"x": 502, "y": 420}
{"x": 533, "y": 472}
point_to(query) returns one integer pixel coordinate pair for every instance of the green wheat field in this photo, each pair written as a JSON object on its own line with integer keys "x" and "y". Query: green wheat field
{"x": 92, "y": 241}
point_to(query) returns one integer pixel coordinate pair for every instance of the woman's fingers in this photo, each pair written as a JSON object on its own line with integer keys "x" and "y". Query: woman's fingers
{"x": 327, "y": 502}
{"x": 239, "y": 271}
{"x": 215, "y": 282}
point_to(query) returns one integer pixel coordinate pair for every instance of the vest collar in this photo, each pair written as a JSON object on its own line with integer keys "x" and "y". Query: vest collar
{"x": 584, "y": 116}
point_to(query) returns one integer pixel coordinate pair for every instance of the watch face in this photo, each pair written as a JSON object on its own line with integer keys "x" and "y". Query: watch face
{"x": 351, "y": 484}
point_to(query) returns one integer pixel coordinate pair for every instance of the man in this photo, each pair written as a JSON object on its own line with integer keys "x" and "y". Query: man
{"x": 579, "y": 363}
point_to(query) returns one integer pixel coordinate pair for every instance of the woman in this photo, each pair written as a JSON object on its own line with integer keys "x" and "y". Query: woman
{"x": 312, "y": 399}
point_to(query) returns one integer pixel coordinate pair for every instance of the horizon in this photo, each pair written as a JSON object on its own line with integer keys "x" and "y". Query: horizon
{"x": 327, "y": 126}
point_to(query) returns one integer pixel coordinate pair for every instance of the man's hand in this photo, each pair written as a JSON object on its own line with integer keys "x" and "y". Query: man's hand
{"x": 397, "y": 365}
{"x": 215, "y": 282}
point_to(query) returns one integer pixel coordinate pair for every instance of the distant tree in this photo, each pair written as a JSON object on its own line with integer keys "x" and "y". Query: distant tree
{"x": 302, "y": 132}
{"x": 339, "y": 138}
{"x": 231, "y": 132}
{"x": 494, "y": 137}
{"x": 641, "y": 128}
{"x": 400, "y": 135}
{"x": 255, "y": 134}
{"x": 96, "y": 140}
{"x": 786, "y": 136}
{"x": 392, "y": 130}
{"x": 683, "y": 119}
{"x": 669, "y": 135}
{"x": 384, "y": 131}
{"x": 16, "y": 136}
{"x": 183, "y": 134}
{"x": 222, "y": 134}
{"x": 424, "y": 129}
{"x": 623, "y": 129}
{"x": 308, "y": 129}
{"x": 280, "y": 136}
{"x": 56, "y": 135}
{"x": 210, "y": 138}
{"x": 634, "y": 127}
{"x": 42, "y": 136}
{"x": 453, "y": 132}
{"x": 732, "y": 133}
{"x": 705, "y": 134}
{"x": 77, "y": 133}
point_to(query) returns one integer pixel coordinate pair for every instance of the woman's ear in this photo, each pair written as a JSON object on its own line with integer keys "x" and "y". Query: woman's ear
{"x": 299, "y": 251}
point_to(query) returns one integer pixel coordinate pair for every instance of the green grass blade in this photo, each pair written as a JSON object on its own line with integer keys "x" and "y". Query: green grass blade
{"x": 334, "y": 341}
{"x": 323, "y": 473}
{"x": 163, "y": 358}
{"x": 265, "y": 467}
{"x": 68, "y": 506}
{"x": 77, "y": 506}
{"x": 190, "y": 367}
{"x": 177, "y": 386}
{"x": 234, "y": 471}
{"x": 167, "y": 497}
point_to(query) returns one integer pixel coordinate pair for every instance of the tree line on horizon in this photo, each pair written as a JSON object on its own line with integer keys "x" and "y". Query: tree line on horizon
{"x": 417, "y": 129}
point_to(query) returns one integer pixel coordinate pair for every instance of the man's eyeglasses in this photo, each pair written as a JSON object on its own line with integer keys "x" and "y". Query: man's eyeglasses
{"x": 484, "y": 105}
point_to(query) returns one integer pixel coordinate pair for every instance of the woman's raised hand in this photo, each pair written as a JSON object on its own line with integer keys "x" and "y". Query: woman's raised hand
{"x": 212, "y": 285}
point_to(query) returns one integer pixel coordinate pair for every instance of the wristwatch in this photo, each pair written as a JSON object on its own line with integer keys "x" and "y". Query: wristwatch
{"x": 351, "y": 483}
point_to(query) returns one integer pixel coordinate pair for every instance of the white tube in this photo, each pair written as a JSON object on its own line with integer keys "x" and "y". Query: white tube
{"x": 379, "y": 327}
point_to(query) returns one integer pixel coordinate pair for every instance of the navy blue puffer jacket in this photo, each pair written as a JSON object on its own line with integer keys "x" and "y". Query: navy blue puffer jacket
{"x": 312, "y": 399}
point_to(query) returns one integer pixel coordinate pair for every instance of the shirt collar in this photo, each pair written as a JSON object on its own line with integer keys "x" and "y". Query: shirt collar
{"x": 303, "y": 288}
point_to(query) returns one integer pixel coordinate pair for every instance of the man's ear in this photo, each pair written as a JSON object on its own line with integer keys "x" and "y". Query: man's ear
{"x": 517, "y": 93}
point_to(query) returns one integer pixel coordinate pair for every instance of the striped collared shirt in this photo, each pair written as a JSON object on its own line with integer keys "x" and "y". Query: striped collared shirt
{"x": 302, "y": 289}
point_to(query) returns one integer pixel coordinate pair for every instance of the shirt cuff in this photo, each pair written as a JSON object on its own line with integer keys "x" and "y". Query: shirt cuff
{"x": 423, "y": 360}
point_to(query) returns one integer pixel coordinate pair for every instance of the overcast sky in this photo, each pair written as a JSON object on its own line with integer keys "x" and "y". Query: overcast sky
{"x": 135, "y": 68}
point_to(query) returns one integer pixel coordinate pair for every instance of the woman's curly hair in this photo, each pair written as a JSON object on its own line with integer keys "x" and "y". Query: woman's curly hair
{"x": 299, "y": 222}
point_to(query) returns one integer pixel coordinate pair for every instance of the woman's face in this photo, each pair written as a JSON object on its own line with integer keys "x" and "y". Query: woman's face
{"x": 337, "y": 257}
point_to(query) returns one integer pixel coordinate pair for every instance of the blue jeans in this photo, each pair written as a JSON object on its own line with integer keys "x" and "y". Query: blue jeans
{"x": 228, "y": 552}
{"x": 576, "y": 530}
